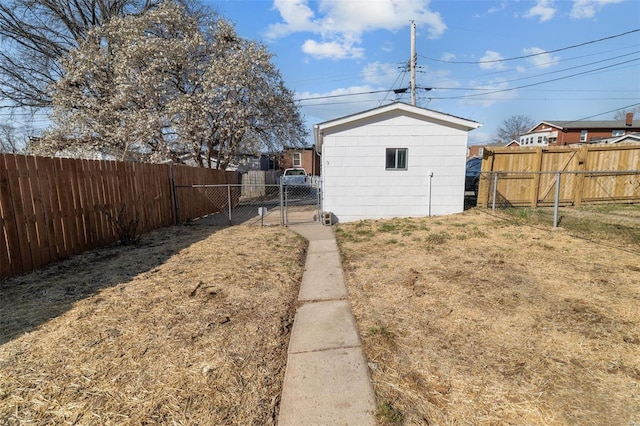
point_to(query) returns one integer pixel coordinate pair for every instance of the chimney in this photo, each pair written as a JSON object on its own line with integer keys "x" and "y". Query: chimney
{"x": 629, "y": 121}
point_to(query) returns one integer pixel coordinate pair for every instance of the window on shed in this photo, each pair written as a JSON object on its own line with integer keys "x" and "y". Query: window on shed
{"x": 396, "y": 158}
{"x": 297, "y": 159}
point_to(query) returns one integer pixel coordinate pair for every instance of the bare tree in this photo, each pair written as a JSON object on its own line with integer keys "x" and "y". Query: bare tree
{"x": 622, "y": 113}
{"x": 36, "y": 34}
{"x": 8, "y": 142}
{"x": 511, "y": 128}
{"x": 13, "y": 140}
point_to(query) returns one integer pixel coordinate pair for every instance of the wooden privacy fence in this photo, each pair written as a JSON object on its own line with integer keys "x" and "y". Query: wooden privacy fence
{"x": 587, "y": 174}
{"x": 52, "y": 208}
{"x": 255, "y": 182}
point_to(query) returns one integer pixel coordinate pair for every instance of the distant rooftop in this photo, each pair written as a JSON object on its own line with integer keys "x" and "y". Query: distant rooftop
{"x": 597, "y": 124}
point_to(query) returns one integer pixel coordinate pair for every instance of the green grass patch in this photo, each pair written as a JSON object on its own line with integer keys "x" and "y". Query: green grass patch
{"x": 612, "y": 222}
{"x": 437, "y": 238}
{"x": 388, "y": 414}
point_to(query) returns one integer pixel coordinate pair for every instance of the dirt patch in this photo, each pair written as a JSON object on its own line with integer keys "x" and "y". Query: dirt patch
{"x": 191, "y": 327}
{"x": 481, "y": 319}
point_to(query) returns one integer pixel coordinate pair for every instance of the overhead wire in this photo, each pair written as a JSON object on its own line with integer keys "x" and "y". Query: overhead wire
{"x": 534, "y": 54}
{"x": 556, "y": 71}
{"x": 536, "y": 84}
{"x": 486, "y": 91}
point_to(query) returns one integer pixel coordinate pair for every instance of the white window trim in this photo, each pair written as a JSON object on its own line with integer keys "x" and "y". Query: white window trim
{"x": 584, "y": 134}
{"x": 406, "y": 159}
{"x": 293, "y": 159}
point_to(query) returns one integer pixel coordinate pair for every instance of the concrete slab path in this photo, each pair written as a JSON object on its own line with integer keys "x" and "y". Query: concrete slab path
{"x": 326, "y": 381}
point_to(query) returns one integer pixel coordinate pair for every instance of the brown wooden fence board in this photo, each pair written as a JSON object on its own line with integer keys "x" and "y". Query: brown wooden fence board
{"x": 56, "y": 210}
{"x": 72, "y": 210}
{"x": 520, "y": 184}
{"x": 90, "y": 207}
{"x": 62, "y": 189}
{"x": 28, "y": 185}
{"x": 5, "y": 261}
{"x": 52, "y": 208}
{"x": 40, "y": 224}
{"x": 14, "y": 253}
{"x": 19, "y": 211}
{"x": 93, "y": 168}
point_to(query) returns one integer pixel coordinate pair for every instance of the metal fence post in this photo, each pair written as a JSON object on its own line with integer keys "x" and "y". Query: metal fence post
{"x": 319, "y": 200}
{"x": 557, "y": 201}
{"x": 229, "y": 201}
{"x": 495, "y": 190}
{"x": 281, "y": 204}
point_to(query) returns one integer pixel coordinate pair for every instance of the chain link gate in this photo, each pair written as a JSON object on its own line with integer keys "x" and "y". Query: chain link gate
{"x": 262, "y": 204}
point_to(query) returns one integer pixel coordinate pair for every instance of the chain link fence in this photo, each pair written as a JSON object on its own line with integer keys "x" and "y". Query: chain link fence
{"x": 253, "y": 204}
{"x": 506, "y": 189}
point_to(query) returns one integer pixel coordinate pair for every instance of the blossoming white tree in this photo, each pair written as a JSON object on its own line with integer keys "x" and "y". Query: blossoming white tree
{"x": 166, "y": 86}
{"x": 35, "y": 34}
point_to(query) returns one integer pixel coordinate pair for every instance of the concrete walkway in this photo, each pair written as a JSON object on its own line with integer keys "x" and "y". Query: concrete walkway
{"x": 326, "y": 381}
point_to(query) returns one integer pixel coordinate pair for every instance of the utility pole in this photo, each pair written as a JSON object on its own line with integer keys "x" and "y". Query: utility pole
{"x": 412, "y": 63}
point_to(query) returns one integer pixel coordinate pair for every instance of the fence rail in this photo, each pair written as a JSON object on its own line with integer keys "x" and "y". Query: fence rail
{"x": 589, "y": 174}
{"x": 567, "y": 188}
{"x": 52, "y": 208}
{"x": 260, "y": 204}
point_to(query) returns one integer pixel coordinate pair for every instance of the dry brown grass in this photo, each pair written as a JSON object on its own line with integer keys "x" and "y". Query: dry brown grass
{"x": 476, "y": 319}
{"x": 192, "y": 327}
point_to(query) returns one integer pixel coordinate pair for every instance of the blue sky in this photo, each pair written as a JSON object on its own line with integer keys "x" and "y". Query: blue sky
{"x": 464, "y": 54}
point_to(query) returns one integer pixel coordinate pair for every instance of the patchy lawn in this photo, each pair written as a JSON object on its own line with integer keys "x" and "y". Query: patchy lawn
{"x": 191, "y": 327}
{"x": 480, "y": 318}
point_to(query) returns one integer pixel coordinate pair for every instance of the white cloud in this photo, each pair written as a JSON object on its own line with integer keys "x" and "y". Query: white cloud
{"x": 379, "y": 73}
{"x": 543, "y": 10}
{"x": 488, "y": 98}
{"x": 447, "y": 57}
{"x": 502, "y": 6}
{"x": 348, "y": 20}
{"x": 297, "y": 16}
{"x": 542, "y": 59}
{"x": 330, "y": 105}
{"x": 487, "y": 62}
{"x": 332, "y": 50}
{"x": 387, "y": 46}
{"x": 588, "y": 8}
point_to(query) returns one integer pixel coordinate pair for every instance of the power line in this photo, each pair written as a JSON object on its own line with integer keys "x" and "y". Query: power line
{"x": 344, "y": 94}
{"x": 547, "y": 73}
{"x": 538, "y": 83}
{"x": 533, "y": 54}
{"x": 477, "y": 89}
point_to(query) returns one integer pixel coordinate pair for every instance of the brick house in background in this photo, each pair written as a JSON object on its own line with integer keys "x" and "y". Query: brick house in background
{"x": 307, "y": 158}
{"x": 551, "y": 133}
{"x": 477, "y": 150}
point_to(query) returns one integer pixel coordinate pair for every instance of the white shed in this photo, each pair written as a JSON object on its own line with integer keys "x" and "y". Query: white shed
{"x": 397, "y": 160}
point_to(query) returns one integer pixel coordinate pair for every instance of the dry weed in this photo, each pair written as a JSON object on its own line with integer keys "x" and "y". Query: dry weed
{"x": 489, "y": 322}
{"x": 190, "y": 328}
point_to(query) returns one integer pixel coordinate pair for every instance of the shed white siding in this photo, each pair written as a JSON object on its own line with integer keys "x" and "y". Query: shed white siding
{"x": 357, "y": 184}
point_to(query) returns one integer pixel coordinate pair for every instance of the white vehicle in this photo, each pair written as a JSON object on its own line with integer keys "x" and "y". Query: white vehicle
{"x": 295, "y": 177}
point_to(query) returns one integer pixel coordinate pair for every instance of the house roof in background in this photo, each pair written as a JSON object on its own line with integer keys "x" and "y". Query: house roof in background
{"x": 585, "y": 125}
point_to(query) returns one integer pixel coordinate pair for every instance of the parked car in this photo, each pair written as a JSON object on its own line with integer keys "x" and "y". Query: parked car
{"x": 472, "y": 177}
{"x": 296, "y": 177}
